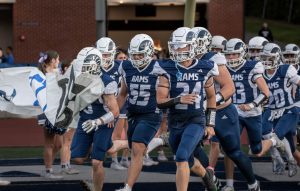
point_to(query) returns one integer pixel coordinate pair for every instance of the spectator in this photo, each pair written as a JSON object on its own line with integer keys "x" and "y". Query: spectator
{"x": 65, "y": 152}
{"x": 266, "y": 32}
{"x": 121, "y": 54}
{"x": 9, "y": 55}
{"x": 48, "y": 63}
{"x": 2, "y": 58}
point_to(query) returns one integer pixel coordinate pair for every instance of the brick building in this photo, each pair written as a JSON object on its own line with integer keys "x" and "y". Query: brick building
{"x": 31, "y": 26}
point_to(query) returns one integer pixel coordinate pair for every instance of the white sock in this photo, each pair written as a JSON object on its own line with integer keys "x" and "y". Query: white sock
{"x": 251, "y": 186}
{"x": 273, "y": 141}
{"x": 154, "y": 143}
{"x": 287, "y": 149}
{"x": 128, "y": 187}
{"x": 115, "y": 159}
{"x": 274, "y": 152}
{"x": 229, "y": 182}
{"x": 49, "y": 170}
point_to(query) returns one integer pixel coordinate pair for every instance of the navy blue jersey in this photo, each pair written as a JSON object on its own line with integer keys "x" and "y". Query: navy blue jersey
{"x": 280, "y": 85}
{"x": 97, "y": 108}
{"x": 244, "y": 80}
{"x": 218, "y": 58}
{"x": 189, "y": 80}
{"x": 141, "y": 85}
{"x": 113, "y": 71}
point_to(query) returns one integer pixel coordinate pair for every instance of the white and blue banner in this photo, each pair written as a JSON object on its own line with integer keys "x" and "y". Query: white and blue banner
{"x": 16, "y": 95}
{"x": 27, "y": 91}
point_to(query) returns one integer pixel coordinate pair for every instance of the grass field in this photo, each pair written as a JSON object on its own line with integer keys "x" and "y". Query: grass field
{"x": 282, "y": 31}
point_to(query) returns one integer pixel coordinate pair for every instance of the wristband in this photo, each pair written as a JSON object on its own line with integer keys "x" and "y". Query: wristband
{"x": 261, "y": 98}
{"x": 219, "y": 99}
{"x": 105, "y": 119}
{"x": 210, "y": 117}
{"x": 172, "y": 102}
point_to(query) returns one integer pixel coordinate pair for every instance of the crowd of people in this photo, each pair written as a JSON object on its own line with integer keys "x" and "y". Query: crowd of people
{"x": 210, "y": 88}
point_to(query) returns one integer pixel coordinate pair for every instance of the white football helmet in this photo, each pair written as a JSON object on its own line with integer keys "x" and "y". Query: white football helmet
{"x": 291, "y": 54}
{"x": 90, "y": 59}
{"x": 203, "y": 40}
{"x": 107, "y": 47}
{"x": 255, "y": 46}
{"x": 182, "y": 37}
{"x": 218, "y": 42}
{"x": 235, "y": 46}
{"x": 141, "y": 44}
{"x": 271, "y": 56}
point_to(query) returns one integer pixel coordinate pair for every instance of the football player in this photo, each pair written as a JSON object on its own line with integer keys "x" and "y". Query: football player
{"x": 139, "y": 83}
{"x": 181, "y": 89}
{"x": 94, "y": 122}
{"x": 109, "y": 66}
{"x": 283, "y": 115}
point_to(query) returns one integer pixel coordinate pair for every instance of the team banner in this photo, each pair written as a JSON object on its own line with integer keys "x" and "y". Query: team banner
{"x": 16, "y": 95}
{"x": 70, "y": 93}
{"x": 27, "y": 91}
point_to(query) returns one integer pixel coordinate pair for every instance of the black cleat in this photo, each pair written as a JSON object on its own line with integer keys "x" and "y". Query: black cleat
{"x": 208, "y": 180}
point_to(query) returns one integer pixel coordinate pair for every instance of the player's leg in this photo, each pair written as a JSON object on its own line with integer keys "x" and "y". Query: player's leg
{"x": 214, "y": 152}
{"x": 125, "y": 154}
{"x": 190, "y": 137}
{"x": 284, "y": 126}
{"x": 140, "y": 133}
{"x": 267, "y": 128}
{"x": 228, "y": 132}
{"x": 101, "y": 144}
{"x": 117, "y": 135}
{"x": 81, "y": 145}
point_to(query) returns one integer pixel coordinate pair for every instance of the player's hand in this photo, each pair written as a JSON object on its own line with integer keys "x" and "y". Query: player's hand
{"x": 189, "y": 99}
{"x": 89, "y": 125}
{"x": 209, "y": 132}
{"x": 245, "y": 107}
{"x": 111, "y": 124}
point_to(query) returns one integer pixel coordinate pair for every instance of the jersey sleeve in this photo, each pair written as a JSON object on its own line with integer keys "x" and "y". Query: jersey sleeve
{"x": 158, "y": 70}
{"x": 214, "y": 70}
{"x": 292, "y": 75}
{"x": 219, "y": 59}
{"x": 257, "y": 71}
{"x": 111, "y": 88}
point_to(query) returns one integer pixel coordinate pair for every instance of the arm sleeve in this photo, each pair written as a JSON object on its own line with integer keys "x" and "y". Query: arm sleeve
{"x": 111, "y": 88}
{"x": 257, "y": 71}
{"x": 214, "y": 71}
{"x": 292, "y": 75}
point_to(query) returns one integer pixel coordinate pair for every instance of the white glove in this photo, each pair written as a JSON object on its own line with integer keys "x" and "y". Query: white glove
{"x": 90, "y": 125}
